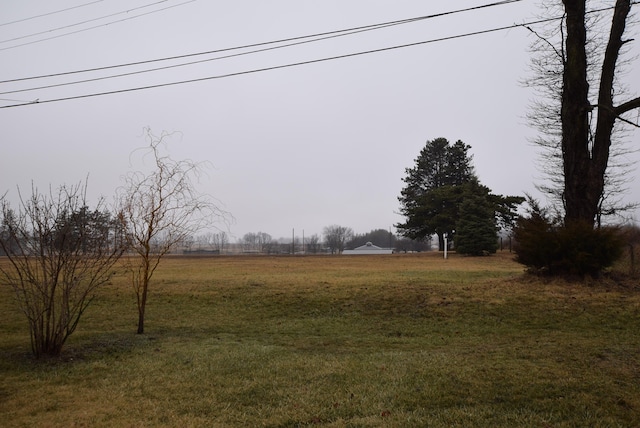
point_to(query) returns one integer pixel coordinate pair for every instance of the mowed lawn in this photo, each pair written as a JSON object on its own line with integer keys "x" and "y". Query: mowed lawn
{"x": 337, "y": 341}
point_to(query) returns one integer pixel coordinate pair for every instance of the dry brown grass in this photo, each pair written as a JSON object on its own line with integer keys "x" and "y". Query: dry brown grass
{"x": 401, "y": 340}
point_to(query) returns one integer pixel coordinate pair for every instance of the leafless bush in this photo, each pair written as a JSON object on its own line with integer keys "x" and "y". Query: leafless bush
{"x": 59, "y": 251}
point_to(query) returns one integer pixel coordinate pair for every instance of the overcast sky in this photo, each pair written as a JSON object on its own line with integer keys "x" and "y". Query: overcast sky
{"x": 300, "y": 147}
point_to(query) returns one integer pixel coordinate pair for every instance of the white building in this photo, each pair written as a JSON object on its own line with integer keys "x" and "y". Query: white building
{"x": 368, "y": 248}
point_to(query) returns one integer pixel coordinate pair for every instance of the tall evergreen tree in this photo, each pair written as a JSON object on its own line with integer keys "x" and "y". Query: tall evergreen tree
{"x": 459, "y": 168}
{"x": 436, "y": 187}
{"x": 429, "y": 200}
{"x": 476, "y": 231}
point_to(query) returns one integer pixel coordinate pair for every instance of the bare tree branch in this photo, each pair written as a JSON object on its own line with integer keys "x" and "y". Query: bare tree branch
{"x": 159, "y": 210}
{"x": 59, "y": 253}
{"x": 627, "y": 106}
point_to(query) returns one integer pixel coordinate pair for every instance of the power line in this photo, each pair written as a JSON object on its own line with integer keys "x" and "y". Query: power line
{"x": 315, "y": 37}
{"x": 284, "y": 65}
{"x": 49, "y": 13}
{"x": 94, "y": 27}
{"x": 371, "y": 28}
{"x": 301, "y": 40}
{"x": 278, "y": 67}
{"x": 82, "y": 22}
{"x": 15, "y": 101}
{"x": 299, "y": 63}
{"x": 56, "y": 85}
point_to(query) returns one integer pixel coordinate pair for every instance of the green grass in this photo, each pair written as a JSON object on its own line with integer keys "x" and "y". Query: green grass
{"x": 365, "y": 341}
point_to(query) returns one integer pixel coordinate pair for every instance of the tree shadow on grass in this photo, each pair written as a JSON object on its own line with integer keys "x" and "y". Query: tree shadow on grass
{"x": 100, "y": 345}
{"x": 81, "y": 348}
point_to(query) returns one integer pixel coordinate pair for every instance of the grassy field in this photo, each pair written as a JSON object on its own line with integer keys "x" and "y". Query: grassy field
{"x": 360, "y": 341}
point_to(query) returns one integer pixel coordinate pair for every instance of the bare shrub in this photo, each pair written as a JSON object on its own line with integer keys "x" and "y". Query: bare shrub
{"x": 59, "y": 251}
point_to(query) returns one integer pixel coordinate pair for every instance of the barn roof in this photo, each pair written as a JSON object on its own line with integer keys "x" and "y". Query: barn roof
{"x": 369, "y": 248}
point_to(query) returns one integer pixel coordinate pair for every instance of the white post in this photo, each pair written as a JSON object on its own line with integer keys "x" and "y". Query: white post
{"x": 445, "y": 245}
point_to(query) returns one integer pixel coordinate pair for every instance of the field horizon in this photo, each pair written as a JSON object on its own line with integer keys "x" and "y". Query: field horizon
{"x": 403, "y": 340}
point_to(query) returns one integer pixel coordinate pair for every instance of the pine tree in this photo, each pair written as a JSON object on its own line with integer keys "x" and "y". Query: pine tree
{"x": 435, "y": 189}
{"x": 476, "y": 232}
{"x": 430, "y": 198}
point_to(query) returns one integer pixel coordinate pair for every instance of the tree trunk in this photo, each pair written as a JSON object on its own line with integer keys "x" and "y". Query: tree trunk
{"x": 142, "y": 304}
{"x": 581, "y": 190}
{"x": 585, "y": 159}
{"x": 607, "y": 114}
{"x": 140, "y": 321}
{"x": 142, "y": 293}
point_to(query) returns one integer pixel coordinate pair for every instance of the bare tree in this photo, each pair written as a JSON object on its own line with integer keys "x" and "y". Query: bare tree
{"x": 158, "y": 210}
{"x": 336, "y": 237}
{"x": 578, "y": 72}
{"x": 219, "y": 241}
{"x": 59, "y": 252}
{"x": 260, "y": 242}
{"x": 313, "y": 244}
{"x": 188, "y": 242}
{"x": 213, "y": 241}
{"x": 265, "y": 242}
{"x": 250, "y": 242}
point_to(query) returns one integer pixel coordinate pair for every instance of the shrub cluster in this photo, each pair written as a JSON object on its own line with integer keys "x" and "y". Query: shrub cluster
{"x": 550, "y": 247}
